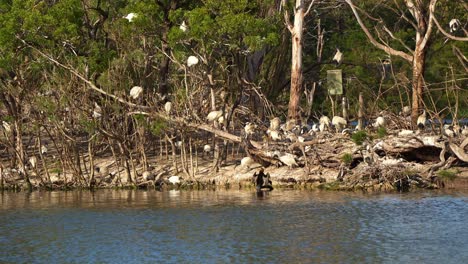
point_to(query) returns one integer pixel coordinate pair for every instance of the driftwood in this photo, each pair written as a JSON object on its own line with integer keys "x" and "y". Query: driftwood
{"x": 459, "y": 152}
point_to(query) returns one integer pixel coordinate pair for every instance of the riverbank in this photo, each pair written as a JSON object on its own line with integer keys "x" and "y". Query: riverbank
{"x": 327, "y": 161}
{"x": 364, "y": 177}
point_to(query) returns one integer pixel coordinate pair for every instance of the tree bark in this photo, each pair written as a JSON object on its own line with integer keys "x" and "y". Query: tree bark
{"x": 296, "y": 64}
{"x": 419, "y": 60}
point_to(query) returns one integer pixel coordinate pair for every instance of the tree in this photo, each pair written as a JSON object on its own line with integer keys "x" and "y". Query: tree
{"x": 421, "y": 19}
{"x": 296, "y": 30}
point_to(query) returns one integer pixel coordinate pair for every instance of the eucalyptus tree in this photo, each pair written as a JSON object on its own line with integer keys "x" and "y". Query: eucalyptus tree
{"x": 301, "y": 10}
{"x": 404, "y": 29}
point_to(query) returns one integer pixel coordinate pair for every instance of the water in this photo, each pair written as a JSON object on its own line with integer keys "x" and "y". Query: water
{"x": 233, "y": 227}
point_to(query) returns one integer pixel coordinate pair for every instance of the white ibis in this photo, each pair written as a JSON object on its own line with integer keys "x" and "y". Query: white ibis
{"x": 136, "y": 91}
{"x": 206, "y": 148}
{"x": 192, "y": 61}
{"x": 97, "y": 111}
{"x": 406, "y": 133}
{"x": 274, "y": 135}
{"x": 454, "y": 24}
{"x": 465, "y": 131}
{"x": 6, "y": 126}
{"x": 130, "y": 17}
{"x": 43, "y": 149}
{"x": 174, "y": 179}
{"x": 315, "y": 128}
{"x": 339, "y": 123}
{"x": 421, "y": 122}
{"x": 379, "y": 122}
{"x": 249, "y": 129}
{"x": 33, "y": 161}
{"x": 214, "y": 115}
{"x": 289, "y": 160}
{"x": 275, "y": 123}
{"x": 183, "y": 26}
{"x": 338, "y": 58}
{"x": 221, "y": 119}
{"x": 168, "y": 107}
{"x": 324, "y": 123}
{"x": 406, "y": 111}
{"x": 248, "y": 163}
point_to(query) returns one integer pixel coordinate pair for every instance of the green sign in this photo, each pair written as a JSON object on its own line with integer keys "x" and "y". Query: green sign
{"x": 335, "y": 82}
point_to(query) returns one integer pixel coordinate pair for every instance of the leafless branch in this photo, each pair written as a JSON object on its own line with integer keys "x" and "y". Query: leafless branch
{"x": 374, "y": 42}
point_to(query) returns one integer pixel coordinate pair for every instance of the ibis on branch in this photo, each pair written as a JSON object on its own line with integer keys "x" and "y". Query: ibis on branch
{"x": 454, "y": 25}
{"x": 214, "y": 115}
{"x": 136, "y": 91}
{"x": 421, "y": 122}
{"x": 338, "y": 58}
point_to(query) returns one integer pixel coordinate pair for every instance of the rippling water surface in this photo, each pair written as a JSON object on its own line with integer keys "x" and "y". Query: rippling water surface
{"x": 233, "y": 227}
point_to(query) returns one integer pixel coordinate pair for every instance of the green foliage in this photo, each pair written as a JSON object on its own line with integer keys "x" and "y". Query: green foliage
{"x": 447, "y": 174}
{"x": 359, "y": 137}
{"x": 158, "y": 126}
{"x": 381, "y": 132}
{"x": 140, "y": 119}
{"x": 347, "y": 158}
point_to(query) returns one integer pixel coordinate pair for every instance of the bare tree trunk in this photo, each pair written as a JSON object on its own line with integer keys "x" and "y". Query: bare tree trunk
{"x": 361, "y": 112}
{"x": 91, "y": 164}
{"x": 296, "y": 64}
{"x": 20, "y": 153}
{"x": 418, "y": 83}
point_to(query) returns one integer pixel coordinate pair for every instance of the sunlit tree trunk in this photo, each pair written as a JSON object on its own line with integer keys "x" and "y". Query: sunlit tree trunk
{"x": 422, "y": 21}
{"x": 296, "y": 64}
{"x": 417, "y": 83}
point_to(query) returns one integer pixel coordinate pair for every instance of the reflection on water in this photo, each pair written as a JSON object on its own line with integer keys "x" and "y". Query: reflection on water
{"x": 232, "y": 226}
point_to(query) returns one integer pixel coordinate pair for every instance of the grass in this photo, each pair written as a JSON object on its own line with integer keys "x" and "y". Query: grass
{"x": 359, "y": 137}
{"x": 381, "y": 132}
{"x": 330, "y": 186}
{"x": 447, "y": 174}
{"x": 347, "y": 158}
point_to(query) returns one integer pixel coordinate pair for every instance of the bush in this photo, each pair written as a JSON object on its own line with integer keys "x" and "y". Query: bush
{"x": 381, "y": 132}
{"x": 447, "y": 174}
{"x": 347, "y": 158}
{"x": 359, "y": 137}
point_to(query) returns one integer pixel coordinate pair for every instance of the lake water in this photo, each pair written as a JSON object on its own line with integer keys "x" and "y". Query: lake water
{"x": 233, "y": 227}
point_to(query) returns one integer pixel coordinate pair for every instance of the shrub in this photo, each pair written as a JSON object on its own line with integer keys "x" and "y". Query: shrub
{"x": 447, "y": 174}
{"x": 347, "y": 158}
{"x": 381, "y": 132}
{"x": 359, "y": 137}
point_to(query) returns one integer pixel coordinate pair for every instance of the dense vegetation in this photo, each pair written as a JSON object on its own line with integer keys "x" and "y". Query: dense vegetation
{"x": 64, "y": 60}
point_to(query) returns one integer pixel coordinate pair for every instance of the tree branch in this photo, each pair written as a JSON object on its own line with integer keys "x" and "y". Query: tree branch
{"x": 81, "y": 77}
{"x": 308, "y": 9}
{"x": 286, "y": 17}
{"x": 445, "y": 33}
{"x": 374, "y": 42}
{"x": 427, "y": 35}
